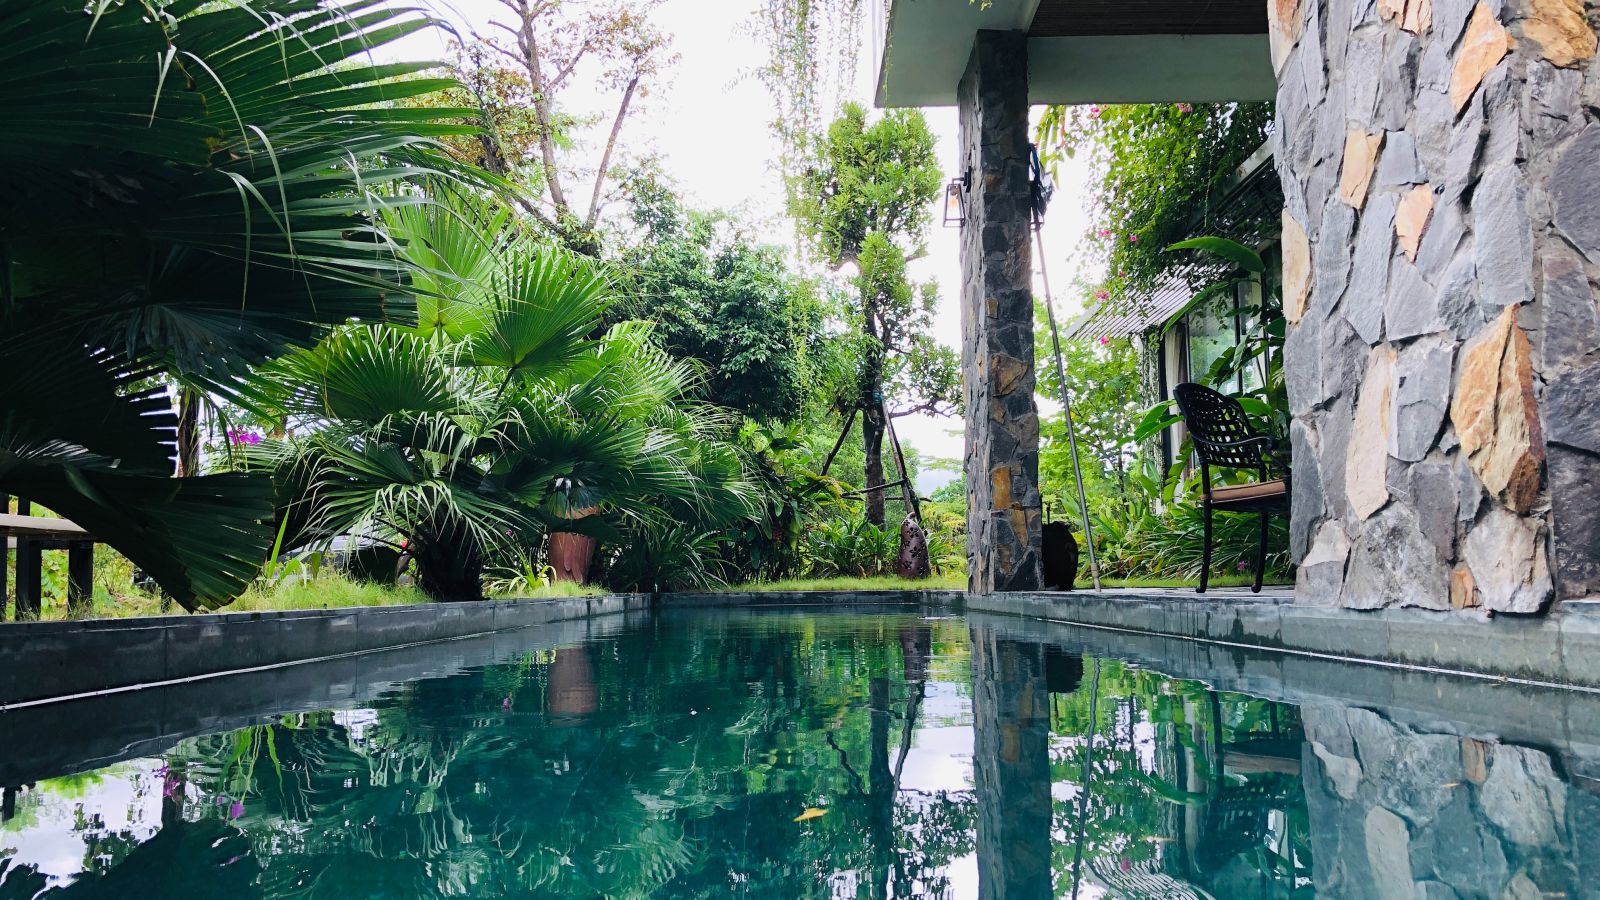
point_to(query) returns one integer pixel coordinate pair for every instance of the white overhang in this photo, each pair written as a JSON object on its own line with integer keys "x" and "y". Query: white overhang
{"x": 926, "y": 45}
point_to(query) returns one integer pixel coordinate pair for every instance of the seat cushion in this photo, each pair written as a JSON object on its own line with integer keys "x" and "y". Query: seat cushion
{"x": 1240, "y": 494}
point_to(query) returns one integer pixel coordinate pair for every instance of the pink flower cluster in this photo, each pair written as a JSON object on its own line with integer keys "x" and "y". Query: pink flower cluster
{"x": 1185, "y": 108}
{"x": 1102, "y": 295}
{"x": 240, "y": 438}
{"x": 1094, "y": 112}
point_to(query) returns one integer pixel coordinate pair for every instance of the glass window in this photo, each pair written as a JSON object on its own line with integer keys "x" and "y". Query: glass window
{"x": 1211, "y": 333}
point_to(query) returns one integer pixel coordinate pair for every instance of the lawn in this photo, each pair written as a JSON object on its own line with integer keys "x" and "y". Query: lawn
{"x": 954, "y": 581}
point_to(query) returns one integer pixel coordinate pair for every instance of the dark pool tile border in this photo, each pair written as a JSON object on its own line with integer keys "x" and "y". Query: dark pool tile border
{"x": 1561, "y": 648}
{"x": 46, "y": 661}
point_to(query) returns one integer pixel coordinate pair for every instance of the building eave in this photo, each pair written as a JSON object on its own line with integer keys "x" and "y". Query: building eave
{"x": 927, "y": 44}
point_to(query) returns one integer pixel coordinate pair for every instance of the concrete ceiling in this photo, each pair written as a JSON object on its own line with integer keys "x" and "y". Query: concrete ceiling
{"x": 1063, "y": 18}
{"x": 1083, "y": 51}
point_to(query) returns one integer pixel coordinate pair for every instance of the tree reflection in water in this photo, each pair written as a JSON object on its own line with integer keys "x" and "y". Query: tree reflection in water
{"x": 808, "y": 755}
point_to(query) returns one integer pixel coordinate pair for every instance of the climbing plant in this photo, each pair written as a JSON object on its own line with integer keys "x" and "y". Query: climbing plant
{"x": 1161, "y": 173}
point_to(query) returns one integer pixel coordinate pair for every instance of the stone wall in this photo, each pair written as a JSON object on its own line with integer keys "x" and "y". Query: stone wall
{"x": 1441, "y": 238}
{"x": 1011, "y": 766}
{"x": 1397, "y": 812}
{"x": 1002, "y": 457}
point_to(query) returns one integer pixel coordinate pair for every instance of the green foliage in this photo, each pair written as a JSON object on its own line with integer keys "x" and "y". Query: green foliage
{"x": 1103, "y": 382}
{"x": 1162, "y": 171}
{"x": 497, "y": 420}
{"x": 850, "y": 546}
{"x": 666, "y": 556}
{"x": 1141, "y": 543}
{"x": 191, "y": 189}
{"x": 717, "y": 297}
{"x": 879, "y": 177}
{"x": 789, "y": 496}
{"x": 865, "y": 199}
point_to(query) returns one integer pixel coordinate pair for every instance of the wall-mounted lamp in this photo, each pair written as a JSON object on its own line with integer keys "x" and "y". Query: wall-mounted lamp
{"x": 955, "y": 200}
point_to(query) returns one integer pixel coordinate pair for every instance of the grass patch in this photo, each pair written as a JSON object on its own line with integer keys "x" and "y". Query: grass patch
{"x": 329, "y": 590}
{"x": 555, "y": 590}
{"x": 951, "y": 581}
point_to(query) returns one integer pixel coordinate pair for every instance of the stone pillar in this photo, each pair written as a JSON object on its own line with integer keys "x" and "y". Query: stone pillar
{"x": 1002, "y": 456}
{"x": 1441, "y": 241}
{"x": 1011, "y": 767}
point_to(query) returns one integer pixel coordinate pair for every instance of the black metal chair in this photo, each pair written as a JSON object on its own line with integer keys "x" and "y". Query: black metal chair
{"x": 1222, "y": 437}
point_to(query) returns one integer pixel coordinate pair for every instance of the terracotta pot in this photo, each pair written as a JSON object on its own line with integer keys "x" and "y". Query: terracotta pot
{"x": 572, "y": 692}
{"x": 571, "y": 554}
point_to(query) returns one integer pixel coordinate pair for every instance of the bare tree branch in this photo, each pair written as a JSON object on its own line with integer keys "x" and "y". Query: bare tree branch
{"x": 611, "y": 146}
{"x": 541, "y": 108}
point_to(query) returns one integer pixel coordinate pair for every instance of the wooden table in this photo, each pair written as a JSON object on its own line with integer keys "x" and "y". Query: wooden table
{"x": 30, "y": 536}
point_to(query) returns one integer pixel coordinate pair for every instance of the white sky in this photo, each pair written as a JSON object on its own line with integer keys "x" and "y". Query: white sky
{"x": 709, "y": 123}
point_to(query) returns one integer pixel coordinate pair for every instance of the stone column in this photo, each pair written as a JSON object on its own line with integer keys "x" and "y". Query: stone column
{"x": 1441, "y": 240}
{"x": 1011, "y": 767}
{"x": 1002, "y": 456}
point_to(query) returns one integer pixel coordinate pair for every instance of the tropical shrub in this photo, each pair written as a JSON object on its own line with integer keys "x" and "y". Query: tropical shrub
{"x": 190, "y": 189}
{"x": 852, "y": 547}
{"x": 789, "y": 497}
{"x": 662, "y": 555}
{"x": 498, "y": 418}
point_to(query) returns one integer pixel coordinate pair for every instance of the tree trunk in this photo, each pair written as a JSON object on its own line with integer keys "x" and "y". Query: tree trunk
{"x": 449, "y": 565}
{"x": 188, "y": 432}
{"x": 872, "y": 428}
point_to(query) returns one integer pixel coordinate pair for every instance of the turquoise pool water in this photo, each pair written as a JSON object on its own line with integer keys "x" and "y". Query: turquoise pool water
{"x": 785, "y": 754}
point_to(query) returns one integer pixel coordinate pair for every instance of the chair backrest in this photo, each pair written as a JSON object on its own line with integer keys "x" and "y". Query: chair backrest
{"x": 1217, "y": 425}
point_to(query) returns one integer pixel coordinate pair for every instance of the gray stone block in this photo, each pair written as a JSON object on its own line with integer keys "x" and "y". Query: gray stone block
{"x": 1502, "y": 242}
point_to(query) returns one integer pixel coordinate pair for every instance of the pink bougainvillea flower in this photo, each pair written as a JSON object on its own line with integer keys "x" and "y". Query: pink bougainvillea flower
{"x": 1102, "y": 295}
{"x": 1104, "y": 341}
{"x": 1185, "y": 108}
{"x": 505, "y": 705}
{"x": 236, "y": 809}
{"x": 1105, "y": 232}
{"x": 1133, "y": 239}
{"x": 1094, "y": 112}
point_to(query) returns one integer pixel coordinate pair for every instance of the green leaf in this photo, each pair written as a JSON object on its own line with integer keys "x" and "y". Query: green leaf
{"x": 1232, "y": 251}
{"x": 1155, "y": 420}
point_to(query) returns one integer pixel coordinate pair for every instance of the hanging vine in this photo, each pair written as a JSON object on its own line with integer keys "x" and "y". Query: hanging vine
{"x": 813, "y": 51}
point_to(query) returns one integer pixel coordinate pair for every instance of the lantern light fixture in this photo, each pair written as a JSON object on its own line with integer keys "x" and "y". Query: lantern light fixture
{"x": 955, "y": 200}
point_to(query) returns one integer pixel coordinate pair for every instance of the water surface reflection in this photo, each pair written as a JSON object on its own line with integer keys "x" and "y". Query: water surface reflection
{"x": 774, "y": 754}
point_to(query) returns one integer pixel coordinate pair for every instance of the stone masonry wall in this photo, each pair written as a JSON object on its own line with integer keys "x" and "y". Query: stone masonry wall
{"x": 1397, "y": 812}
{"x": 1002, "y": 460}
{"x": 1441, "y": 168}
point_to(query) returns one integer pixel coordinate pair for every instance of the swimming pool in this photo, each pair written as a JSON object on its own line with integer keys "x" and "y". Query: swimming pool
{"x": 863, "y": 752}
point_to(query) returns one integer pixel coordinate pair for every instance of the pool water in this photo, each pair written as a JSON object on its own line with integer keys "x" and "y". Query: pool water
{"x": 789, "y": 754}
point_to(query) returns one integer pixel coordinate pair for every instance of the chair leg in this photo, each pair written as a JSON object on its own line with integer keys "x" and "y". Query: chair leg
{"x": 1205, "y": 554}
{"x": 1261, "y": 555}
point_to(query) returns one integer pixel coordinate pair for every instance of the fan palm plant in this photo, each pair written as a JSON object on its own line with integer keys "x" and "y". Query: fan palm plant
{"x": 191, "y": 188}
{"x": 498, "y": 416}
